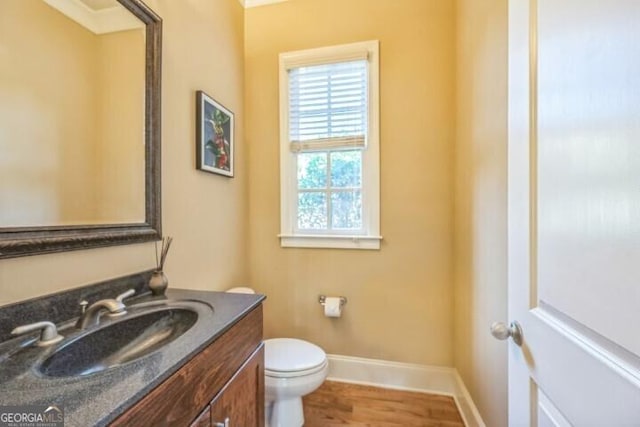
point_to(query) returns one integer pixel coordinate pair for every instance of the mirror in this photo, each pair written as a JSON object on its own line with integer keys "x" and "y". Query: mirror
{"x": 79, "y": 124}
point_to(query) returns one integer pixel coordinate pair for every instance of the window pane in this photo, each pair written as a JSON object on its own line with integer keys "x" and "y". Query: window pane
{"x": 312, "y": 170}
{"x": 346, "y": 210}
{"x": 312, "y": 211}
{"x": 346, "y": 169}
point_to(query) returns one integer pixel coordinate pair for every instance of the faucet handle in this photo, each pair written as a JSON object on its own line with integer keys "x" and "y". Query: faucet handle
{"x": 48, "y": 332}
{"x": 124, "y": 295}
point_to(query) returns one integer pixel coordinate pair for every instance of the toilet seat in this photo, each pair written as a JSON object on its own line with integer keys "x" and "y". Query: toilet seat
{"x": 290, "y": 357}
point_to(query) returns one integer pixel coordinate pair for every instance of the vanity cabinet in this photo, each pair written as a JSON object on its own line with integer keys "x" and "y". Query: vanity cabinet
{"x": 222, "y": 386}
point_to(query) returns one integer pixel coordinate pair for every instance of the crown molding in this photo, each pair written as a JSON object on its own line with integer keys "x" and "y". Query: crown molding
{"x": 255, "y": 3}
{"x": 97, "y": 21}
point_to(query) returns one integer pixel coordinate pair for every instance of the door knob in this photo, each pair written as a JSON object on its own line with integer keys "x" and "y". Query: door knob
{"x": 224, "y": 424}
{"x": 501, "y": 331}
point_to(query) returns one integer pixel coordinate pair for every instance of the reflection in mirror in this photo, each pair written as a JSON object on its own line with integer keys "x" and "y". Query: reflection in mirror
{"x": 79, "y": 125}
{"x": 72, "y": 113}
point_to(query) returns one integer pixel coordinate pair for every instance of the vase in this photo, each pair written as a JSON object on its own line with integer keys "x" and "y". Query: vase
{"x": 158, "y": 283}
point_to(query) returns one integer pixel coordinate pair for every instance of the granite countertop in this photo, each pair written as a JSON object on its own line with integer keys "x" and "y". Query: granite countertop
{"x": 99, "y": 398}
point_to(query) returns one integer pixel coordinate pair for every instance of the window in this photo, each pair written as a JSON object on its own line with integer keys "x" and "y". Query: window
{"x": 329, "y": 149}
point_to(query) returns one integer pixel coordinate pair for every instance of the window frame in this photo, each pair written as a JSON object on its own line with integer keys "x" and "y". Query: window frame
{"x": 369, "y": 237}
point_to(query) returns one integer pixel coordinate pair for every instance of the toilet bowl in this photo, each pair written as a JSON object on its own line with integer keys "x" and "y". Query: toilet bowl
{"x": 293, "y": 368}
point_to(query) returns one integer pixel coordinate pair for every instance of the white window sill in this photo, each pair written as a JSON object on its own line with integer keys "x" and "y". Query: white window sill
{"x": 335, "y": 241}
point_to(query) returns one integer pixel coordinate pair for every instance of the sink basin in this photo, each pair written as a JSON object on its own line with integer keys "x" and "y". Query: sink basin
{"x": 119, "y": 342}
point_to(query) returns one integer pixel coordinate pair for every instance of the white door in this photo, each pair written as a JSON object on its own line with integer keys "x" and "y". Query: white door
{"x": 574, "y": 212}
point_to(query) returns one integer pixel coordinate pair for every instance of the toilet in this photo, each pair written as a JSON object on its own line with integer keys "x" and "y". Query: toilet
{"x": 293, "y": 368}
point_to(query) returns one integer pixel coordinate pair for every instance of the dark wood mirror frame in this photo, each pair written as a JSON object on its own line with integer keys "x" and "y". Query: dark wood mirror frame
{"x": 24, "y": 241}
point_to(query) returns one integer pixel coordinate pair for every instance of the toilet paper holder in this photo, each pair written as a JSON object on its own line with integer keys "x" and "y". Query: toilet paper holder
{"x": 323, "y": 298}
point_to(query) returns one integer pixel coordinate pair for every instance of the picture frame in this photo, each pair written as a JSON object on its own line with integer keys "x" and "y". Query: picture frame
{"x": 215, "y": 144}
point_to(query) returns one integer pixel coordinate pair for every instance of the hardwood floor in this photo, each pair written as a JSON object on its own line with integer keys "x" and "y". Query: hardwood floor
{"x": 340, "y": 404}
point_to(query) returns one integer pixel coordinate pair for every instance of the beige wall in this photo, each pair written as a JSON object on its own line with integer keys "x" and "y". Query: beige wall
{"x": 400, "y": 298}
{"x": 481, "y": 203}
{"x": 203, "y": 49}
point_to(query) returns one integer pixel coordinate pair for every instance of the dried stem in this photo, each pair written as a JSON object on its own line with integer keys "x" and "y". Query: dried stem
{"x": 157, "y": 261}
{"x": 164, "y": 250}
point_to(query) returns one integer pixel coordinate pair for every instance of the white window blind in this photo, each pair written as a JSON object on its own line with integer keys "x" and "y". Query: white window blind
{"x": 328, "y": 106}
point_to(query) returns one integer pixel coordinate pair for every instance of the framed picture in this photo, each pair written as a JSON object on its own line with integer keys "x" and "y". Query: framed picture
{"x": 214, "y": 136}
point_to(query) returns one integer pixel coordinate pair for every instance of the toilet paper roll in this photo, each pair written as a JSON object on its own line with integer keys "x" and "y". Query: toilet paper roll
{"x": 332, "y": 307}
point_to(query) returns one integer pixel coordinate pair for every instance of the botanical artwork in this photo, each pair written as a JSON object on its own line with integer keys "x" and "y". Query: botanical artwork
{"x": 214, "y": 143}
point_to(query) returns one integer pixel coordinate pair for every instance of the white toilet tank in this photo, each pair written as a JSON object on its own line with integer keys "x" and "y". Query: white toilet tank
{"x": 241, "y": 290}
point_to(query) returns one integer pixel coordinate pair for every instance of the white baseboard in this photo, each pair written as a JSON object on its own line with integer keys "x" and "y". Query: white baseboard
{"x": 406, "y": 376}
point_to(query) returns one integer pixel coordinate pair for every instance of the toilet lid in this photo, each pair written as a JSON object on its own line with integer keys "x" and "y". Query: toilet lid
{"x": 292, "y": 355}
{"x": 295, "y": 374}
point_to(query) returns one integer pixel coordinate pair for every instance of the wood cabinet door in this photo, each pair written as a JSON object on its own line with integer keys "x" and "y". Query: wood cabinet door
{"x": 241, "y": 401}
{"x": 204, "y": 419}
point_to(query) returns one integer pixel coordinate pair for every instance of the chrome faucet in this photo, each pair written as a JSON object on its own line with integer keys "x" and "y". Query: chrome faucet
{"x": 115, "y": 307}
